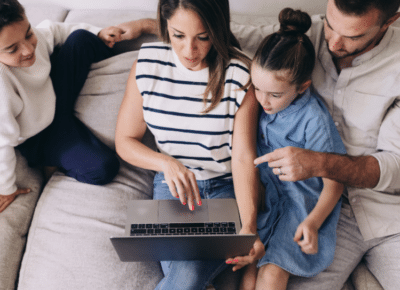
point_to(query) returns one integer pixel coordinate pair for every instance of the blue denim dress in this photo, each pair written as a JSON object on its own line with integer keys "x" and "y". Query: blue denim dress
{"x": 306, "y": 123}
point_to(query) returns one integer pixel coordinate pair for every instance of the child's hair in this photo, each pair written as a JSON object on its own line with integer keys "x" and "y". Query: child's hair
{"x": 216, "y": 18}
{"x": 289, "y": 49}
{"x": 10, "y": 11}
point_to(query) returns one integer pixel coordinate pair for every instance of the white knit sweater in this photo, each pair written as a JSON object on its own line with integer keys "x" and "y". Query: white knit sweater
{"x": 27, "y": 98}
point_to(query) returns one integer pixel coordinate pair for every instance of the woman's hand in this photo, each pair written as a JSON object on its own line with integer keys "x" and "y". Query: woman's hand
{"x": 309, "y": 232}
{"x": 6, "y": 200}
{"x": 256, "y": 253}
{"x": 181, "y": 182}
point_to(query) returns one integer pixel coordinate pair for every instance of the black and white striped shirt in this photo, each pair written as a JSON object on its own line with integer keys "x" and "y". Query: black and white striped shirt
{"x": 173, "y": 105}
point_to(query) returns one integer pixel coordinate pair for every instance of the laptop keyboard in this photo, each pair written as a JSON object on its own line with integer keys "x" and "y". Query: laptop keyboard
{"x": 166, "y": 229}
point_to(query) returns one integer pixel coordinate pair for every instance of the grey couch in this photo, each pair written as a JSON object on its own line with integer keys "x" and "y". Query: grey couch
{"x": 68, "y": 243}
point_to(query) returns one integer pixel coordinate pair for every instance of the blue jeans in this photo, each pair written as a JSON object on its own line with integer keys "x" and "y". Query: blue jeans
{"x": 192, "y": 274}
{"x": 67, "y": 143}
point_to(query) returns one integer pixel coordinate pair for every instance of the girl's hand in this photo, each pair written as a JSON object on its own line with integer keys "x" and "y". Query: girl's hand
{"x": 309, "y": 232}
{"x": 182, "y": 183}
{"x": 6, "y": 200}
{"x": 111, "y": 35}
{"x": 256, "y": 253}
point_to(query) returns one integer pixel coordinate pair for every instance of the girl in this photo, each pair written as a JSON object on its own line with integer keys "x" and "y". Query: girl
{"x": 42, "y": 71}
{"x": 298, "y": 221}
{"x": 190, "y": 92}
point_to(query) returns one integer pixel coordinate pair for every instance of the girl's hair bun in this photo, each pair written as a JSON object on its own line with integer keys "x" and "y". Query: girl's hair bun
{"x": 294, "y": 21}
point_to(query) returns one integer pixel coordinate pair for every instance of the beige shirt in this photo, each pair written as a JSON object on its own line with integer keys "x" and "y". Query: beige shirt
{"x": 364, "y": 101}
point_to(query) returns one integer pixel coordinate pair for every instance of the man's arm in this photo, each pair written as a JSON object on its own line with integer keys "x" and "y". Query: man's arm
{"x": 299, "y": 164}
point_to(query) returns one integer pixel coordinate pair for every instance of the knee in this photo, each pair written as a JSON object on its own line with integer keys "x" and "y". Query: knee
{"x": 103, "y": 173}
{"x": 81, "y": 36}
{"x": 88, "y": 44}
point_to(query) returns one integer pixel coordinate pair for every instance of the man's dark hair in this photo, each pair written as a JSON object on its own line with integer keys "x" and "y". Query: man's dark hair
{"x": 10, "y": 11}
{"x": 388, "y": 8}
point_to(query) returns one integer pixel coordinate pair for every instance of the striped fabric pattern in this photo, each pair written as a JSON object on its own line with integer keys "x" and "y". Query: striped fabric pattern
{"x": 173, "y": 105}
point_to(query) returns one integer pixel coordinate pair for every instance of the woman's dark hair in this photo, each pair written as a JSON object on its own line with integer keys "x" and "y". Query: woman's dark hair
{"x": 10, "y": 11}
{"x": 216, "y": 19}
{"x": 388, "y": 8}
{"x": 289, "y": 49}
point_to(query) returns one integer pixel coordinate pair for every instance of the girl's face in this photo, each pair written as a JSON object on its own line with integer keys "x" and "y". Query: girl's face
{"x": 189, "y": 39}
{"x": 273, "y": 91}
{"x": 18, "y": 44}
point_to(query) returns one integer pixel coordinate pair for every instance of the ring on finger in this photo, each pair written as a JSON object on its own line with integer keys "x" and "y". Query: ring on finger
{"x": 280, "y": 170}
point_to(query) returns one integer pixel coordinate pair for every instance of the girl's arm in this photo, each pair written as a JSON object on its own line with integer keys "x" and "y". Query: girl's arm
{"x": 245, "y": 175}
{"x": 308, "y": 229}
{"x": 130, "y": 130}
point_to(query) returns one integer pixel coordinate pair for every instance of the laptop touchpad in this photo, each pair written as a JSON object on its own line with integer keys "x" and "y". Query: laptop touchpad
{"x": 173, "y": 211}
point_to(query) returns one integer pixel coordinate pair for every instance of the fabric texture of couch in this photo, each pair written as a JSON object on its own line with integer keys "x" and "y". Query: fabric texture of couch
{"x": 68, "y": 244}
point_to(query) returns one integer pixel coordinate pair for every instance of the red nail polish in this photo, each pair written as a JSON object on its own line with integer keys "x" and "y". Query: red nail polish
{"x": 192, "y": 207}
{"x": 199, "y": 203}
{"x": 229, "y": 262}
{"x": 184, "y": 203}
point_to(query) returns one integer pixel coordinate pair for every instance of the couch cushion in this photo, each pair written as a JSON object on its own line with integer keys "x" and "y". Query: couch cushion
{"x": 15, "y": 221}
{"x": 101, "y": 96}
{"x": 38, "y": 13}
{"x": 69, "y": 245}
{"x": 105, "y": 18}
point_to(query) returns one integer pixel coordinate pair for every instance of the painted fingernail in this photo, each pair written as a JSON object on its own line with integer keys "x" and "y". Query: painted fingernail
{"x": 236, "y": 260}
{"x": 192, "y": 207}
{"x": 200, "y": 203}
{"x": 184, "y": 203}
{"x": 229, "y": 262}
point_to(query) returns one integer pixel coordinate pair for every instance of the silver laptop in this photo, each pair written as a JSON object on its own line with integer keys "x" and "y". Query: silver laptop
{"x": 166, "y": 230}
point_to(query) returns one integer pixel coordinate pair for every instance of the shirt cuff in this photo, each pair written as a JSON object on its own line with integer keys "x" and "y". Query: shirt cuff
{"x": 9, "y": 191}
{"x": 389, "y": 164}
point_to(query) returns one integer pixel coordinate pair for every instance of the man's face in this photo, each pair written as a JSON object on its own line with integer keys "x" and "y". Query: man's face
{"x": 351, "y": 35}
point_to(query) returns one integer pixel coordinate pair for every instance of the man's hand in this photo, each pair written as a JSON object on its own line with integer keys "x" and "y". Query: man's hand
{"x": 6, "y": 200}
{"x": 291, "y": 163}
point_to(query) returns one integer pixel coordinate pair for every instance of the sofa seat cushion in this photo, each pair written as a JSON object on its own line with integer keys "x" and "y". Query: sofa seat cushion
{"x": 15, "y": 221}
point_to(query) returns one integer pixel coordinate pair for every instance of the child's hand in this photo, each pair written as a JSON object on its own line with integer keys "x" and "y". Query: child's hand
{"x": 309, "y": 232}
{"x": 111, "y": 35}
{"x": 6, "y": 200}
{"x": 256, "y": 253}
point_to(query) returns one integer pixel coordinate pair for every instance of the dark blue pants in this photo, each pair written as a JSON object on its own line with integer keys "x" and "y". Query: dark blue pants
{"x": 67, "y": 143}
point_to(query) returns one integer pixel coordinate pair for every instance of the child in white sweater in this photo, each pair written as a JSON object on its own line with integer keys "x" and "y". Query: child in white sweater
{"x": 42, "y": 71}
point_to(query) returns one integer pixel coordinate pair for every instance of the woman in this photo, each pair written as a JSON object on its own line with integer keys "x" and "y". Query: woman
{"x": 190, "y": 91}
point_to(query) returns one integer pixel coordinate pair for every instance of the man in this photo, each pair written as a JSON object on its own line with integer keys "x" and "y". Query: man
{"x": 357, "y": 74}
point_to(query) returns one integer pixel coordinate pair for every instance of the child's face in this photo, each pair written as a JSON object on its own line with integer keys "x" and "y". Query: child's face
{"x": 17, "y": 44}
{"x": 273, "y": 91}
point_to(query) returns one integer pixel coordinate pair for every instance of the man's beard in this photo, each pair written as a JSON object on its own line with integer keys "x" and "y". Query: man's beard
{"x": 356, "y": 52}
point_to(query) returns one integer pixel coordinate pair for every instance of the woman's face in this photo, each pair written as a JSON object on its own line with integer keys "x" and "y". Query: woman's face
{"x": 189, "y": 39}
